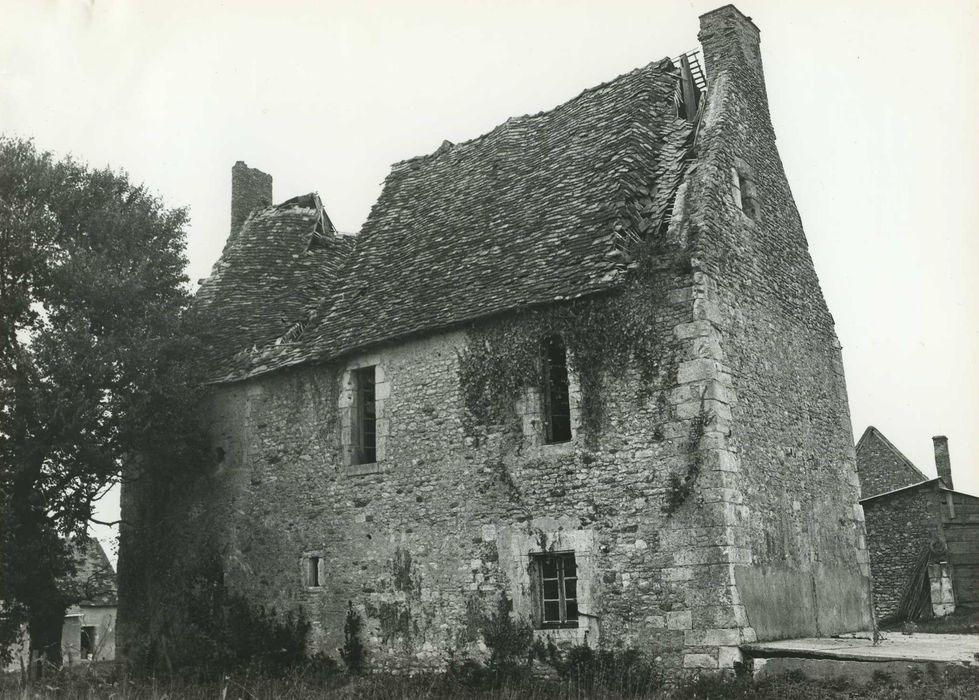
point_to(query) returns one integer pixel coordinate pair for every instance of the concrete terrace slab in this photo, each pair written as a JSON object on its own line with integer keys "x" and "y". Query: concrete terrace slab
{"x": 919, "y": 647}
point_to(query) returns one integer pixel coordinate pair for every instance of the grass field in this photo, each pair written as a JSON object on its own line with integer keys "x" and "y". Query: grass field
{"x": 953, "y": 684}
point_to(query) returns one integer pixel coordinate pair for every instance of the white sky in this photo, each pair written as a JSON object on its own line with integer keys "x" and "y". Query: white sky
{"x": 875, "y": 103}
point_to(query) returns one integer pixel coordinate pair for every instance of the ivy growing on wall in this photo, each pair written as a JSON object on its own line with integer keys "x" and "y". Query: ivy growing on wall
{"x": 679, "y": 489}
{"x": 604, "y": 335}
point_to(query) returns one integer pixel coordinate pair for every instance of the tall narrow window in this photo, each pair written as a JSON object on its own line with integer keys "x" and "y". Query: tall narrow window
{"x": 744, "y": 193}
{"x": 557, "y": 404}
{"x": 365, "y": 417}
{"x": 312, "y": 572}
{"x": 557, "y": 574}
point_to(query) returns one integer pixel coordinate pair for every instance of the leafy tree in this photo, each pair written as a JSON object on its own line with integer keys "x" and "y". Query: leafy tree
{"x": 95, "y": 353}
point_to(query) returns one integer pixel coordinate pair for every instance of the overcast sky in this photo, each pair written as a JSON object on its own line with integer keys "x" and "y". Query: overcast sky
{"x": 875, "y": 103}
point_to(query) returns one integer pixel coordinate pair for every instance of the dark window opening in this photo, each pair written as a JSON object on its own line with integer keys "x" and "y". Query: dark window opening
{"x": 88, "y": 642}
{"x": 744, "y": 194}
{"x": 312, "y": 572}
{"x": 365, "y": 417}
{"x": 557, "y": 574}
{"x": 557, "y": 404}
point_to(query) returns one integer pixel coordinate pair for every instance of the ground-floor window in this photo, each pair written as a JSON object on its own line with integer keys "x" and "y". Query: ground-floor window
{"x": 557, "y": 589}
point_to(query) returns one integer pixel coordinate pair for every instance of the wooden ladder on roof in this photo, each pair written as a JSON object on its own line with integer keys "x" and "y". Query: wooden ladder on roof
{"x": 696, "y": 67}
{"x": 691, "y": 86}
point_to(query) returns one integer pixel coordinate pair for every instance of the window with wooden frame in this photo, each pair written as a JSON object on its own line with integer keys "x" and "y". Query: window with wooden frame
{"x": 557, "y": 402}
{"x": 364, "y": 416}
{"x": 556, "y": 575}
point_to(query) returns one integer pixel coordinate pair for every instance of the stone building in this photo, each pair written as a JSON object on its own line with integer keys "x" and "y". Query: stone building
{"x": 923, "y": 536}
{"x": 582, "y": 361}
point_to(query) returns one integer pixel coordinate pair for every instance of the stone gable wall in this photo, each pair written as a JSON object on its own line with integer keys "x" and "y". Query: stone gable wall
{"x": 880, "y": 469}
{"x": 799, "y": 554}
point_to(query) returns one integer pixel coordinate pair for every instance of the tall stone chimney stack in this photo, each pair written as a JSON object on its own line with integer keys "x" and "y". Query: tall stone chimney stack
{"x": 251, "y": 189}
{"x": 732, "y": 52}
{"x": 942, "y": 462}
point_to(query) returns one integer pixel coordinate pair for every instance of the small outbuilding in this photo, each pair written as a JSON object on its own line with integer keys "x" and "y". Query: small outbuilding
{"x": 922, "y": 535}
{"x": 89, "y": 630}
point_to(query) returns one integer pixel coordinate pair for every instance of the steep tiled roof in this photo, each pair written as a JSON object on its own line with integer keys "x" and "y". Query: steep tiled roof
{"x": 541, "y": 209}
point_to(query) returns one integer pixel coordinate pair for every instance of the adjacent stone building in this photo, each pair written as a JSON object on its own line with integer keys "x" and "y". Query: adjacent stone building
{"x": 582, "y": 361}
{"x": 923, "y": 536}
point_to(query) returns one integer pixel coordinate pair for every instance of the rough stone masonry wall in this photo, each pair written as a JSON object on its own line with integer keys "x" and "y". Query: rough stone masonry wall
{"x": 881, "y": 470}
{"x": 798, "y": 553}
{"x": 423, "y": 542}
{"x": 899, "y": 527}
{"x": 251, "y": 189}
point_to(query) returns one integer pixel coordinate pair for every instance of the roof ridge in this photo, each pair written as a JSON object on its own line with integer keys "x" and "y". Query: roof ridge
{"x": 547, "y": 198}
{"x": 447, "y": 146}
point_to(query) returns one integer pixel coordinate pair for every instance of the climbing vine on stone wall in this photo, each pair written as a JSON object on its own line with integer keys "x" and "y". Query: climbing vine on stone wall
{"x": 679, "y": 489}
{"x": 604, "y": 335}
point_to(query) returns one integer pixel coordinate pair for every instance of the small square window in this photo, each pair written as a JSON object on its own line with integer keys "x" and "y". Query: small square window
{"x": 556, "y": 575}
{"x": 311, "y": 572}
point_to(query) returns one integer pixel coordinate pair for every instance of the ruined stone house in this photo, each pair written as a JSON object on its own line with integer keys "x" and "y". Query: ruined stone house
{"x": 582, "y": 361}
{"x": 922, "y": 535}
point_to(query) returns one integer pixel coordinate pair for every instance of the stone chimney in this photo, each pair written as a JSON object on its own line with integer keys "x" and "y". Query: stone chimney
{"x": 251, "y": 189}
{"x": 732, "y": 51}
{"x": 942, "y": 462}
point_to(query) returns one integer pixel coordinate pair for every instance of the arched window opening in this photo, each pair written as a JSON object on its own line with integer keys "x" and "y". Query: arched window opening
{"x": 557, "y": 403}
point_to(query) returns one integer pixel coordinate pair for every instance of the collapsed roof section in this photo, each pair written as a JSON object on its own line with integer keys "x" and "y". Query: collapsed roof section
{"x": 269, "y": 280}
{"x": 542, "y": 209}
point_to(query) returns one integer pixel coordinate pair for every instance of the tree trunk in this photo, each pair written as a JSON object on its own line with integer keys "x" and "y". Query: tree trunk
{"x": 40, "y": 557}
{"x": 44, "y": 627}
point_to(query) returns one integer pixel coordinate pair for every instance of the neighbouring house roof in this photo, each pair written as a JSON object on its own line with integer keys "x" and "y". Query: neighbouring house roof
{"x": 901, "y": 471}
{"x": 903, "y": 489}
{"x": 929, "y": 482}
{"x": 542, "y": 209}
{"x": 94, "y": 576}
